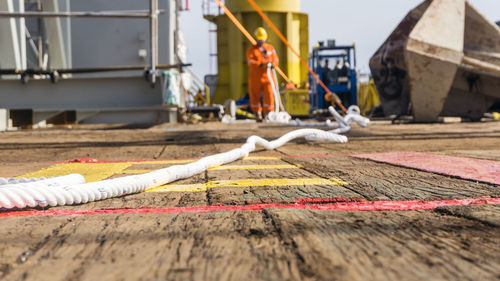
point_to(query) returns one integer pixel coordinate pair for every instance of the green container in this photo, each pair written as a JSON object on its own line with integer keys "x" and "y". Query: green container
{"x": 296, "y": 102}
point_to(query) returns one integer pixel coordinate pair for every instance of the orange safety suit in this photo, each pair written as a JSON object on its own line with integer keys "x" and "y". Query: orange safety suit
{"x": 258, "y": 82}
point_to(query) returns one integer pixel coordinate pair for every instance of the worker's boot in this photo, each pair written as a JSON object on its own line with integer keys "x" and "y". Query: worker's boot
{"x": 259, "y": 117}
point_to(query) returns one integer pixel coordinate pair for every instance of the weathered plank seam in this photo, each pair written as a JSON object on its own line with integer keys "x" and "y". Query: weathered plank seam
{"x": 445, "y": 211}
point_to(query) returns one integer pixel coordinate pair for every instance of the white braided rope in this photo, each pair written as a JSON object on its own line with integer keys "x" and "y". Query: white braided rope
{"x": 39, "y": 193}
{"x": 4, "y": 181}
{"x": 71, "y": 189}
{"x": 342, "y": 124}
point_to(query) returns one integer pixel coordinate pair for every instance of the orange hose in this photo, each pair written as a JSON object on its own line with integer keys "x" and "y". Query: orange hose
{"x": 280, "y": 72}
{"x": 280, "y": 35}
{"x": 249, "y": 36}
{"x": 236, "y": 22}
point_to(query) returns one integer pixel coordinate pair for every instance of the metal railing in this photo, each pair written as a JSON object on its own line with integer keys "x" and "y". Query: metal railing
{"x": 109, "y": 14}
{"x": 210, "y": 8}
{"x": 152, "y": 14}
{"x": 199, "y": 86}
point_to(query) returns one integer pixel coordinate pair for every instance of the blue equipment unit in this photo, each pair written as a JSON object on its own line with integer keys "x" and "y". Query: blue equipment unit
{"x": 342, "y": 81}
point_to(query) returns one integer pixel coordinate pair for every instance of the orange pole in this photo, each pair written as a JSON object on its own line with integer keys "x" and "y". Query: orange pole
{"x": 280, "y": 35}
{"x": 236, "y": 22}
{"x": 280, "y": 72}
{"x": 248, "y": 36}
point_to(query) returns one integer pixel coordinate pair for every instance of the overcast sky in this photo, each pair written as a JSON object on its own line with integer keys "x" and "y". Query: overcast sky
{"x": 364, "y": 22}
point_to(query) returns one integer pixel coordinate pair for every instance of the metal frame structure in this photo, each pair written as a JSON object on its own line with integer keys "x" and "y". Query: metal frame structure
{"x": 152, "y": 14}
{"x": 211, "y": 10}
{"x": 348, "y": 54}
{"x": 125, "y": 97}
{"x": 130, "y": 14}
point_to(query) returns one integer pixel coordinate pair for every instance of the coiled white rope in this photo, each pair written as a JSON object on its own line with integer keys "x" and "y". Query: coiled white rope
{"x": 276, "y": 116}
{"x": 342, "y": 125}
{"x": 40, "y": 193}
{"x": 71, "y": 189}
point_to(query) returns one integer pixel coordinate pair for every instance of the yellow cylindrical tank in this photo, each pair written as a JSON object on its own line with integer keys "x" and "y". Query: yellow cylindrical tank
{"x": 232, "y": 82}
{"x": 265, "y": 5}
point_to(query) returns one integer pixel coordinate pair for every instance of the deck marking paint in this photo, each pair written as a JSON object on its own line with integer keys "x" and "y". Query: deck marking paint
{"x": 465, "y": 168}
{"x": 185, "y": 161}
{"x": 168, "y": 162}
{"x": 317, "y": 155}
{"x": 136, "y": 172}
{"x": 341, "y": 206}
{"x": 165, "y": 161}
{"x": 95, "y": 171}
{"x": 91, "y": 172}
{"x": 228, "y": 167}
{"x": 189, "y": 160}
{"x": 255, "y": 167}
{"x": 253, "y": 158}
{"x": 247, "y": 183}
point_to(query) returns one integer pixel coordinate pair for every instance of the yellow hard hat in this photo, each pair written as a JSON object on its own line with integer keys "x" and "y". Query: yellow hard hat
{"x": 260, "y": 34}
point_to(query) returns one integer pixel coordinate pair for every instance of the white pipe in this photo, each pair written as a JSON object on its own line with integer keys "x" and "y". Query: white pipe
{"x": 63, "y": 191}
{"x": 22, "y": 36}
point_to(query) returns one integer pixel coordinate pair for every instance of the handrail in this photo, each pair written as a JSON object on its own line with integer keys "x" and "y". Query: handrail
{"x": 205, "y": 86}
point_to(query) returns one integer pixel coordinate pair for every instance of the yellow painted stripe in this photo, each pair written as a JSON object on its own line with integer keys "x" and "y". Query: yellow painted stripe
{"x": 228, "y": 167}
{"x": 247, "y": 183}
{"x": 174, "y": 162}
{"x": 136, "y": 172}
{"x": 91, "y": 171}
{"x": 255, "y": 167}
{"x": 159, "y": 162}
{"x": 251, "y": 158}
{"x": 100, "y": 171}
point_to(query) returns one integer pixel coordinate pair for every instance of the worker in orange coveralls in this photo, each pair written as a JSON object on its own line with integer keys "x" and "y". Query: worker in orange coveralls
{"x": 258, "y": 57}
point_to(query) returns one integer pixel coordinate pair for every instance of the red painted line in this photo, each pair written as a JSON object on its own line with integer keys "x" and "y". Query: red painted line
{"x": 340, "y": 206}
{"x": 317, "y": 155}
{"x": 93, "y": 160}
{"x": 465, "y": 168}
{"x": 327, "y": 200}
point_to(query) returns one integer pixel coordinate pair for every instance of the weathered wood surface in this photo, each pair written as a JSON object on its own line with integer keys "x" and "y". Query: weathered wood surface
{"x": 449, "y": 243}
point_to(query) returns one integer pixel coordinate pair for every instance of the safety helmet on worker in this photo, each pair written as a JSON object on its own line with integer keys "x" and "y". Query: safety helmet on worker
{"x": 260, "y": 34}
